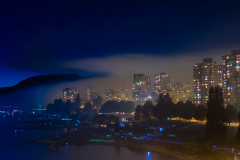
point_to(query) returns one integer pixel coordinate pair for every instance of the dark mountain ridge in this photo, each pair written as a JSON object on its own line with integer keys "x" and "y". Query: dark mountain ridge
{"x": 41, "y": 80}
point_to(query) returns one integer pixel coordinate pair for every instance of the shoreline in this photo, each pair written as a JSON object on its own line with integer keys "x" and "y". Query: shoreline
{"x": 53, "y": 146}
{"x": 181, "y": 151}
{"x": 171, "y": 150}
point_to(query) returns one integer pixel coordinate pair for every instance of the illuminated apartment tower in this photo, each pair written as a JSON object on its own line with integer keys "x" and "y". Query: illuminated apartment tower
{"x": 231, "y": 78}
{"x": 206, "y": 75}
{"x": 183, "y": 91}
{"x": 141, "y": 85}
{"x": 162, "y": 83}
{"x": 90, "y": 93}
{"x": 70, "y": 93}
{"x": 148, "y": 84}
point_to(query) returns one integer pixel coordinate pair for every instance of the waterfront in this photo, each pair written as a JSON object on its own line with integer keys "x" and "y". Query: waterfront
{"x": 14, "y": 146}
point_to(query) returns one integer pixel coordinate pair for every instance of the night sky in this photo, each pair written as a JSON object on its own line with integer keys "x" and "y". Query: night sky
{"x": 115, "y": 37}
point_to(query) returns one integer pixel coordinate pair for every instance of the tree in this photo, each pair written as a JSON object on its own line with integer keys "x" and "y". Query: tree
{"x": 76, "y": 104}
{"x": 67, "y": 106}
{"x": 188, "y": 110}
{"x": 200, "y": 113}
{"x": 146, "y": 110}
{"x": 232, "y": 114}
{"x": 138, "y": 112}
{"x": 216, "y": 116}
{"x": 112, "y": 119}
{"x": 126, "y": 107}
{"x": 216, "y": 113}
{"x": 100, "y": 119}
{"x": 116, "y": 127}
{"x": 179, "y": 109}
{"x": 88, "y": 107}
{"x": 97, "y": 103}
{"x": 239, "y": 116}
{"x": 238, "y": 134}
{"x": 58, "y": 106}
{"x": 238, "y": 131}
{"x": 170, "y": 106}
{"x": 163, "y": 108}
{"x": 109, "y": 107}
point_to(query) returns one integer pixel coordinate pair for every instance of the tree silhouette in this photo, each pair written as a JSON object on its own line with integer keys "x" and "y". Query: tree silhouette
{"x": 238, "y": 134}
{"x": 59, "y": 107}
{"x": 138, "y": 112}
{"x": 216, "y": 116}
{"x": 97, "y": 103}
{"x": 170, "y": 106}
{"x": 163, "y": 108}
{"x": 88, "y": 107}
{"x": 232, "y": 114}
{"x": 100, "y": 119}
{"x": 67, "y": 106}
{"x": 116, "y": 127}
{"x": 76, "y": 104}
{"x": 238, "y": 131}
{"x": 146, "y": 110}
{"x": 200, "y": 113}
{"x": 179, "y": 109}
{"x": 188, "y": 110}
{"x": 109, "y": 107}
{"x": 238, "y": 116}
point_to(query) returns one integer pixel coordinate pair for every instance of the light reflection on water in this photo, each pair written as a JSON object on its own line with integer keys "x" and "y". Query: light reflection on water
{"x": 22, "y": 149}
{"x": 148, "y": 155}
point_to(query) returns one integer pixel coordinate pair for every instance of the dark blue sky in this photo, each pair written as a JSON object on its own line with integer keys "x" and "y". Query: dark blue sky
{"x": 36, "y": 36}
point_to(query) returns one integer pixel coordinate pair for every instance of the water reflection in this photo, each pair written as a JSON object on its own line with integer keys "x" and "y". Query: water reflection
{"x": 66, "y": 158}
{"x": 148, "y": 155}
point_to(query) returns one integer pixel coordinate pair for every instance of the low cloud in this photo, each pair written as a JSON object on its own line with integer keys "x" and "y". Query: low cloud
{"x": 179, "y": 67}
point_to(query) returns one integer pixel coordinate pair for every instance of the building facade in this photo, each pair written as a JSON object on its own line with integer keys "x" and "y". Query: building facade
{"x": 231, "y": 78}
{"x": 205, "y": 75}
{"x": 70, "y": 94}
{"x": 141, "y": 87}
{"x": 162, "y": 83}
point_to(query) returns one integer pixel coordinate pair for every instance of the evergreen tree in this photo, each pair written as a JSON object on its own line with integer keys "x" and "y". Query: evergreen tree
{"x": 163, "y": 108}
{"x": 238, "y": 134}
{"x": 170, "y": 106}
{"x": 76, "y": 104}
{"x": 216, "y": 116}
{"x": 146, "y": 110}
{"x": 238, "y": 131}
{"x": 138, "y": 112}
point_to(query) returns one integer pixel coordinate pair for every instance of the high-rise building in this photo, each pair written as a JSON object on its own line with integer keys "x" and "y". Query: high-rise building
{"x": 231, "y": 78}
{"x": 162, "y": 83}
{"x": 187, "y": 92}
{"x": 205, "y": 75}
{"x": 70, "y": 93}
{"x": 183, "y": 91}
{"x": 90, "y": 93}
{"x": 141, "y": 86}
{"x": 148, "y": 83}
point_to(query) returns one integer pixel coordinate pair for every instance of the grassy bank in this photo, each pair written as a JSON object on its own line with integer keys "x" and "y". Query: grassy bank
{"x": 183, "y": 152}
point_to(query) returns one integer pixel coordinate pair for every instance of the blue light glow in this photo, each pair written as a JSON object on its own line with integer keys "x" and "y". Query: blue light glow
{"x": 148, "y": 155}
